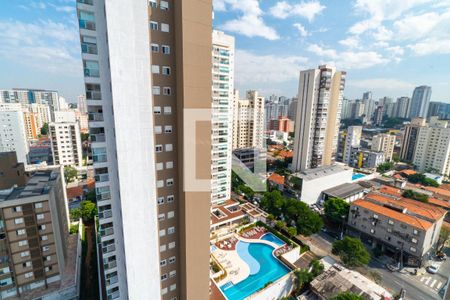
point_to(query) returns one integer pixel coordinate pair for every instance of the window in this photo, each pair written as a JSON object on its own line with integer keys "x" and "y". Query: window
{"x": 88, "y": 44}
{"x": 164, "y": 27}
{"x": 158, "y": 129}
{"x": 18, "y": 221}
{"x": 44, "y": 238}
{"x": 155, "y": 69}
{"x": 45, "y": 248}
{"x": 86, "y": 20}
{"x": 91, "y": 68}
{"x": 38, "y": 205}
{"x": 172, "y": 274}
{"x": 167, "y": 91}
{"x": 415, "y": 231}
{"x": 165, "y": 49}
{"x": 169, "y": 147}
{"x": 162, "y": 232}
{"x": 162, "y": 248}
{"x": 165, "y": 70}
{"x": 17, "y": 209}
{"x": 172, "y": 259}
{"x": 164, "y": 277}
{"x": 161, "y": 217}
{"x": 24, "y": 253}
{"x": 170, "y": 214}
{"x": 163, "y": 291}
{"x": 27, "y": 264}
{"x": 169, "y": 165}
{"x": 152, "y": 3}
{"x": 158, "y": 148}
{"x": 157, "y": 110}
{"x": 375, "y": 216}
{"x": 169, "y": 182}
{"x": 171, "y": 245}
{"x": 164, "y": 5}
{"x": 414, "y": 241}
{"x": 413, "y": 249}
{"x": 154, "y": 47}
{"x": 160, "y": 200}
{"x": 163, "y": 262}
{"x": 171, "y": 230}
{"x": 20, "y": 232}
{"x": 28, "y": 275}
{"x": 153, "y": 25}
{"x": 159, "y": 166}
{"x": 170, "y": 198}
{"x": 173, "y": 287}
{"x": 156, "y": 90}
{"x": 167, "y": 110}
{"x": 48, "y": 269}
{"x": 160, "y": 183}
{"x": 23, "y": 243}
{"x": 40, "y": 216}
{"x": 168, "y": 129}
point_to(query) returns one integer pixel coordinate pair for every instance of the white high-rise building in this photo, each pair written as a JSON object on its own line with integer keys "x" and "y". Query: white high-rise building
{"x": 352, "y": 141}
{"x": 148, "y": 73}
{"x": 248, "y": 121}
{"x": 222, "y": 115}
{"x": 66, "y": 144}
{"x": 318, "y": 117}
{"x": 13, "y": 136}
{"x": 384, "y": 142}
{"x": 81, "y": 104}
{"x": 42, "y": 112}
{"x": 432, "y": 149}
{"x": 420, "y": 101}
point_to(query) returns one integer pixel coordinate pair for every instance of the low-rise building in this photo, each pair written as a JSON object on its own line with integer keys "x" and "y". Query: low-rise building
{"x": 276, "y": 181}
{"x": 347, "y": 191}
{"x": 313, "y": 181}
{"x": 384, "y": 142}
{"x": 398, "y": 225}
{"x": 366, "y": 159}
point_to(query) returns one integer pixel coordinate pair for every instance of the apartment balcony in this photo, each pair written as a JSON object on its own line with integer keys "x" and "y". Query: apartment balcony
{"x": 103, "y": 196}
{"x": 87, "y": 2}
{"x": 109, "y": 248}
{"x": 93, "y": 95}
{"x": 91, "y": 72}
{"x": 101, "y": 177}
{"x": 98, "y": 138}
{"x": 112, "y": 280}
{"x": 110, "y": 265}
{"x": 106, "y": 231}
{"x": 105, "y": 214}
{"x": 95, "y": 117}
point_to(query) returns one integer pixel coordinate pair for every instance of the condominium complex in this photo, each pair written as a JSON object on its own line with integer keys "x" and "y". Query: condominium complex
{"x": 13, "y": 136}
{"x": 384, "y": 142}
{"x": 420, "y": 102}
{"x": 36, "y": 249}
{"x": 31, "y": 128}
{"x": 66, "y": 144}
{"x": 318, "y": 117}
{"x": 248, "y": 121}
{"x": 432, "y": 148}
{"x": 147, "y": 67}
{"x": 222, "y": 115}
{"x": 402, "y": 107}
{"x": 349, "y": 140}
{"x": 41, "y": 112}
{"x": 409, "y": 141}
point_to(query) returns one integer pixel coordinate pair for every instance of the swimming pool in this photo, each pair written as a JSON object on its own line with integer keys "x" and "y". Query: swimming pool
{"x": 356, "y": 176}
{"x": 272, "y": 238}
{"x": 264, "y": 268}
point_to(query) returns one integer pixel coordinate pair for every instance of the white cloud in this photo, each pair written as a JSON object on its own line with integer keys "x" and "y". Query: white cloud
{"x": 44, "y": 45}
{"x": 383, "y": 34}
{"x": 414, "y": 27}
{"x": 250, "y": 23}
{"x": 301, "y": 29}
{"x": 256, "y": 69}
{"x": 350, "y": 42}
{"x": 348, "y": 59}
{"x": 219, "y": 5}
{"x": 386, "y": 84}
{"x": 308, "y": 10}
{"x": 431, "y": 46}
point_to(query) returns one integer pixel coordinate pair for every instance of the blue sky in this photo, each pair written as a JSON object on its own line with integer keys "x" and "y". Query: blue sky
{"x": 386, "y": 46}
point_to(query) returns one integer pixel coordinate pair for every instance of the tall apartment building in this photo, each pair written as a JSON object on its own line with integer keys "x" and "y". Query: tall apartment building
{"x": 34, "y": 240}
{"x": 292, "y": 110}
{"x": 351, "y": 141}
{"x": 439, "y": 109}
{"x": 13, "y": 136}
{"x": 409, "y": 141}
{"x": 378, "y": 115}
{"x": 152, "y": 67}
{"x": 420, "y": 101}
{"x": 432, "y": 151}
{"x": 222, "y": 115}
{"x": 318, "y": 117}
{"x": 248, "y": 121}
{"x": 66, "y": 144}
{"x": 41, "y": 112}
{"x": 402, "y": 107}
{"x": 81, "y": 104}
{"x": 384, "y": 142}
{"x": 31, "y": 128}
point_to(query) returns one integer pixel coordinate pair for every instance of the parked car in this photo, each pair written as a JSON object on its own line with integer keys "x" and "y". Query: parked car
{"x": 392, "y": 268}
{"x": 432, "y": 269}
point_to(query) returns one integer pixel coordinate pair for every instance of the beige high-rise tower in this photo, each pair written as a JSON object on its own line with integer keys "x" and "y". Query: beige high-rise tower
{"x": 147, "y": 67}
{"x": 318, "y": 117}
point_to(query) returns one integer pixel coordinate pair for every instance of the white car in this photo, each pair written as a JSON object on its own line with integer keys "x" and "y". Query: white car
{"x": 432, "y": 269}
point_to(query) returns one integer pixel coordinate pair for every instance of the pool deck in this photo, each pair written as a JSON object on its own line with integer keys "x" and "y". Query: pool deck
{"x": 236, "y": 268}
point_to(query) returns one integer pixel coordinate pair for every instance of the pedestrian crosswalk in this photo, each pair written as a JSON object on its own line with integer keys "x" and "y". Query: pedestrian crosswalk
{"x": 431, "y": 282}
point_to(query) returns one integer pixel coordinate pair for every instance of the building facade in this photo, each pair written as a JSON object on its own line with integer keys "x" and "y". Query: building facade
{"x": 248, "y": 121}
{"x": 318, "y": 117}
{"x": 11, "y": 172}
{"x": 409, "y": 140}
{"x": 351, "y": 141}
{"x": 13, "y": 136}
{"x": 157, "y": 242}
{"x": 66, "y": 144}
{"x": 420, "y": 101}
{"x": 402, "y": 107}
{"x": 384, "y": 142}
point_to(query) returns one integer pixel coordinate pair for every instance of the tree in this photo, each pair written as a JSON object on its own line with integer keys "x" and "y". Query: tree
{"x": 386, "y": 166}
{"x": 347, "y": 296}
{"x": 336, "y": 209}
{"x": 415, "y": 196}
{"x": 351, "y": 251}
{"x": 309, "y": 223}
{"x": 84, "y": 137}
{"x": 303, "y": 277}
{"x": 421, "y": 178}
{"x": 44, "y": 129}
{"x": 316, "y": 267}
{"x": 444, "y": 238}
{"x": 70, "y": 174}
{"x": 296, "y": 182}
{"x": 291, "y": 231}
{"x": 88, "y": 210}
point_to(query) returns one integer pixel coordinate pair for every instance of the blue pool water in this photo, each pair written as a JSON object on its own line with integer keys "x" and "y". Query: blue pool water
{"x": 272, "y": 238}
{"x": 264, "y": 268}
{"x": 357, "y": 176}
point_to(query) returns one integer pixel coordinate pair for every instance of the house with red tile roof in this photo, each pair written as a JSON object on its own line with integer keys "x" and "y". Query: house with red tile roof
{"x": 276, "y": 181}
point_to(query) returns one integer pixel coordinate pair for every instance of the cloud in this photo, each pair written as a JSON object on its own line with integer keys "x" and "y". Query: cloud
{"x": 256, "y": 69}
{"x": 219, "y": 5}
{"x": 350, "y": 42}
{"x": 250, "y": 23}
{"x": 431, "y": 46}
{"x": 308, "y": 10}
{"x": 348, "y": 59}
{"x": 386, "y": 84}
{"x": 43, "y": 45}
{"x": 301, "y": 29}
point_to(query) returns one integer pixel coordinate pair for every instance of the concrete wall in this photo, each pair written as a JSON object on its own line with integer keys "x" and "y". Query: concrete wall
{"x": 279, "y": 289}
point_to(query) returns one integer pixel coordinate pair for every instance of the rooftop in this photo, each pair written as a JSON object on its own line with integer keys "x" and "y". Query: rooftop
{"x": 227, "y": 211}
{"x": 38, "y": 184}
{"x": 312, "y": 174}
{"x": 344, "y": 190}
{"x": 278, "y": 179}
